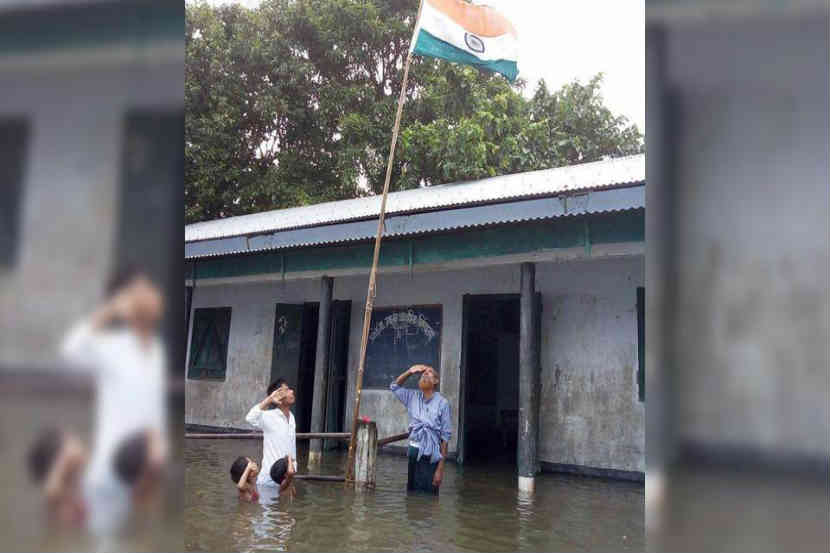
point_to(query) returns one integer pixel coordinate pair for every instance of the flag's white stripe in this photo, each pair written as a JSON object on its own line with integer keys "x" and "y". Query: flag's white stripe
{"x": 417, "y": 30}
{"x": 440, "y": 25}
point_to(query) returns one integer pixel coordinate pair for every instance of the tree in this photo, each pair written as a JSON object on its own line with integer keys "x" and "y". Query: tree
{"x": 293, "y": 103}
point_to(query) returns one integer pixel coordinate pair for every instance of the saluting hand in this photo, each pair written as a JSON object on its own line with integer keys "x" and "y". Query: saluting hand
{"x": 278, "y": 395}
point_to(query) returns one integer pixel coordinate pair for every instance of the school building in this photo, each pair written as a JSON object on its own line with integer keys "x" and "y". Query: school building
{"x": 524, "y": 290}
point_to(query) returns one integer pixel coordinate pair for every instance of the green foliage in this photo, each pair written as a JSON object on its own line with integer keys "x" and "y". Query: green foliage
{"x": 293, "y": 103}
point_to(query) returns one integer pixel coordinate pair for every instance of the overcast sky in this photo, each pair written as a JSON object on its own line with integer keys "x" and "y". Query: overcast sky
{"x": 575, "y": 39}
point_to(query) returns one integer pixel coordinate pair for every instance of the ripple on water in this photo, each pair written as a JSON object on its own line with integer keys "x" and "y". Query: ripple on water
{"x": 479, "y": 510}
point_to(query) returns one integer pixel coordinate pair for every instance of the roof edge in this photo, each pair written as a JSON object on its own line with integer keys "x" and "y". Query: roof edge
{"x": 447, "y": 188}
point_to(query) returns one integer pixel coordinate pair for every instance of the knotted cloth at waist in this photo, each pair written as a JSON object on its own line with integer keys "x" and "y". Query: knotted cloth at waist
{"x": 427, "y": 436}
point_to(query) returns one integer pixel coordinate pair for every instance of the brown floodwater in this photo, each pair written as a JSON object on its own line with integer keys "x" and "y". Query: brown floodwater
{"x": 23, "y": 415}
{"x": 479, "y": 509}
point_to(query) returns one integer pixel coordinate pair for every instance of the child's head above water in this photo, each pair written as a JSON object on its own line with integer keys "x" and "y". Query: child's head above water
{"x": 140, "y": 459}
{"x": 131, "y": 458}
{"x": 238, "y": 468}
{"x": 55, "y": 450}
{"x": 278, "y": 470}
{"x": 43, "y": 454}
{"x": 56, "y": 461}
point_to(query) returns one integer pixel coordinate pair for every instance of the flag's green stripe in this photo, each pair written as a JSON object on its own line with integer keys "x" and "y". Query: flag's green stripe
{"x": 429, "y": 45}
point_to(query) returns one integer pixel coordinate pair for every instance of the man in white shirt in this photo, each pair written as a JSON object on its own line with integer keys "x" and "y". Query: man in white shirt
{"x": 279, "y": 436}
{"x": 119, "y": 344}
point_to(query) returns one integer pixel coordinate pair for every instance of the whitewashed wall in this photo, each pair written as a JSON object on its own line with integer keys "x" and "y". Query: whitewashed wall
{"x": 70, "y": 190}
{"x": 590, "y": 414}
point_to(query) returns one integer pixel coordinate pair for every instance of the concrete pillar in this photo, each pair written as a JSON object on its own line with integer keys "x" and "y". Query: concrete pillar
{"x": 321, "y": 369}
{"x": 366, "y": 451}
{"x": 528, "y": 394}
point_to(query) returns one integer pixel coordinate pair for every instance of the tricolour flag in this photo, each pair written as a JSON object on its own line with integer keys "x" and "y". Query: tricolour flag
{"x": 471, "y": 34}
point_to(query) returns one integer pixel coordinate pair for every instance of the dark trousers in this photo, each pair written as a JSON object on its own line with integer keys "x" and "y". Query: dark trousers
{"x": 419, "y": 477}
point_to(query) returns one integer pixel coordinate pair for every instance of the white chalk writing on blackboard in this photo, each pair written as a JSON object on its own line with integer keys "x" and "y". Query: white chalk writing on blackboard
{"x": 282, "y": 325}
{"x": 401, "y": 322}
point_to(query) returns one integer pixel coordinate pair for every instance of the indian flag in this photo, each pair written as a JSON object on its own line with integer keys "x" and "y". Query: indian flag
{"x": 461, "y": 32}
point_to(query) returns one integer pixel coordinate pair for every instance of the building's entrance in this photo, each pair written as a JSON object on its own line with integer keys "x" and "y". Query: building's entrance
{"x": 295, "y": 353}
{"x": 338, "y": 367}
{"x": 489, "y": 379}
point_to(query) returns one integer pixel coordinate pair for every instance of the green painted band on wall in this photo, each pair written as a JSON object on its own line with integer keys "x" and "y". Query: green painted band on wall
{"x": 587, "y": 238}
{"x": 566, "y": 232}
{"x": 127, "y": 23}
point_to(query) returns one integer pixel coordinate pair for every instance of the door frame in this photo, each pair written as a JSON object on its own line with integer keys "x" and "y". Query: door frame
{"x": 331, "y": 373}
{"x": 467, "y": 301}
{"x": 299, "y": 407}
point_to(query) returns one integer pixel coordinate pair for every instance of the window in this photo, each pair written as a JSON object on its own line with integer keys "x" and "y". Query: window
{"x": 13, "y": 141}
{"x": 641, "y": 342}
{"x": 209, "y": 343}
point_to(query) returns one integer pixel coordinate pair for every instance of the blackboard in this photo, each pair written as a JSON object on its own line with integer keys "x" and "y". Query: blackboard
{"x": 400, "y": 337}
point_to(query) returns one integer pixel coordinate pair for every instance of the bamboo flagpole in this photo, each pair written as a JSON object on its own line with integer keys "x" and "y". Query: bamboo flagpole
{"x": 370, "y": 295}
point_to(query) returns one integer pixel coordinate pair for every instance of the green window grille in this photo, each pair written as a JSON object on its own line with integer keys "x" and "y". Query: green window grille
{"x": 209, "y": 343}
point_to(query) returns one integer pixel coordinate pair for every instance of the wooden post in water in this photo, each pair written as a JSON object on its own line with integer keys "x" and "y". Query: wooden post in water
{"x": 528, "y": 396}
{"x": 366, "y": 454}
{"x": 321, "y": 369}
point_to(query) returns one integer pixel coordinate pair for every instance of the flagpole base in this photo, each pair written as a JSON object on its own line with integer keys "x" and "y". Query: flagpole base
{"x": 527, "y": 484}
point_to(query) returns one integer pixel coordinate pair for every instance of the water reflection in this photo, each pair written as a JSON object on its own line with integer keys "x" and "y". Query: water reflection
{"x": 478, "y": 510}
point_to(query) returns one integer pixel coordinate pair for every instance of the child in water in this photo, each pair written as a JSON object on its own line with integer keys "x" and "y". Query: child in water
{"x": 282, "y": 472}
{"x": 56, "y": 461}
{"x": 139, "y": 463}
{"x": 244, "y": 472}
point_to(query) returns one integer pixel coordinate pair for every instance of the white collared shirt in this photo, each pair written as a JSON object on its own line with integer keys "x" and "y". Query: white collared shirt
{"x": 130, "y": 387}
{"x": 130, "y": 379}
{"x": 279, "y": 438}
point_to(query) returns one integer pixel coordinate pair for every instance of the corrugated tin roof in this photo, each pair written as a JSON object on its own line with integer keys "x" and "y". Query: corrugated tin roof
{"x": 598, "y": 201}
{"x": 547, "y": 182}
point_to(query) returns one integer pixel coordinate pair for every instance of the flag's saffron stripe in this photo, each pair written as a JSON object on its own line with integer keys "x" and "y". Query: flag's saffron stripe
{"x": 483, "y": 21}
{"x": 429, "y": 45}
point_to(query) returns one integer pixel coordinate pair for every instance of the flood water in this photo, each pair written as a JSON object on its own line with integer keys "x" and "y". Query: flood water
{"x": 23, "y": 518}
{"x": 479, "y": 509}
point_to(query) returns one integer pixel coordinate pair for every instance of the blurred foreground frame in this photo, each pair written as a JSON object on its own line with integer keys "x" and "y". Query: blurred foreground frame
{"x": 738, "y": 440}
{"x": 91, "y": 168}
